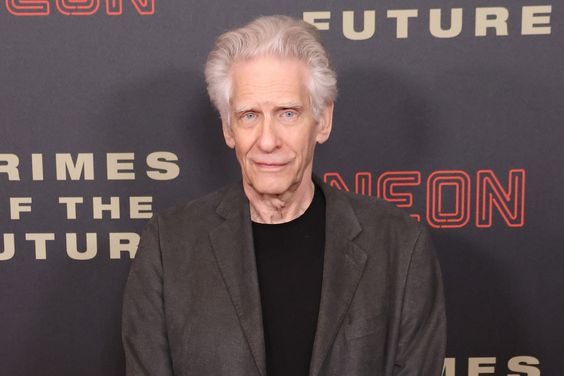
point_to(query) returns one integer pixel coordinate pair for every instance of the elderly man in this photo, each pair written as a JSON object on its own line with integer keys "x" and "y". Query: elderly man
{"x": 279, "y": 274}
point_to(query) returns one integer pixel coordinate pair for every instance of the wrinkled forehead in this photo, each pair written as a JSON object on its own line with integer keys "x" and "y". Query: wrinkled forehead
{"x": 269, "y": 81}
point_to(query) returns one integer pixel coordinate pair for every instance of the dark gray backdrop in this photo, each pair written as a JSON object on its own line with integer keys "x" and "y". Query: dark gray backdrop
{"x": 133, "y": 83}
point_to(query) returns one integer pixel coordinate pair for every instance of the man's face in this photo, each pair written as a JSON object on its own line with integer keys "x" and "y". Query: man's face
{"x": 273, "y": 130}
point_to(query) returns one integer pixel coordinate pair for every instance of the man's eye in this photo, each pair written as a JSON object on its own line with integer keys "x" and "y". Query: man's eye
{"x": 288, "y": 114}
{"x": 249, "y": 116}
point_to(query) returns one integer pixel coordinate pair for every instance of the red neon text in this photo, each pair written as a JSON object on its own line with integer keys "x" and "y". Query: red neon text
{"x": 76, "y": 7}
{"x": 448, "y": 195}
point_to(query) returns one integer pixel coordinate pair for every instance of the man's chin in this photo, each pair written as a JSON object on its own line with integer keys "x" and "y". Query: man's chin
{"x": 270, "y": 186}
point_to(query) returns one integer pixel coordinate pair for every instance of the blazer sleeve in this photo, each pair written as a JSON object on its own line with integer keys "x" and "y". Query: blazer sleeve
{"x": 422, "y": 337}
{"x": 144, "y": 334}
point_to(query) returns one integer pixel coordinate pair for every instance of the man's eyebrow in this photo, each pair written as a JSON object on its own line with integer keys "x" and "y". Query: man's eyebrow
{"x": 293, "y": 105}
{"x": 244, "y": 109}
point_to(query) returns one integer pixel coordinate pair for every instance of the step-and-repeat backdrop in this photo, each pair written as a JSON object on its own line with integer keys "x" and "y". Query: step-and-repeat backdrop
{"x": 450, "y": 109}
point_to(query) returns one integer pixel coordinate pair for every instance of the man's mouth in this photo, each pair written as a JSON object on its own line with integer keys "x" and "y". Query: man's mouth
{"x": 270, "y": 165}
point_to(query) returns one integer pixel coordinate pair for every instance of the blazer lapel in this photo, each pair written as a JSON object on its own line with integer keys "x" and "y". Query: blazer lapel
{"x": 232, "y": 243}
{"x": 343, "y": 265}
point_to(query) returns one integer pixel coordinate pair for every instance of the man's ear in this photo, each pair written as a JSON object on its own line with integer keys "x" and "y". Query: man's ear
{"x": 227, "y": 133}
{"x": 325, "y": 123}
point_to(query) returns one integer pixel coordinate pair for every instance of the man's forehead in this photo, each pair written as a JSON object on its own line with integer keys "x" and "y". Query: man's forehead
{"x": 251, "y": 99}
{"x": 278, "y": 82}
{"x": 266, "y": 63}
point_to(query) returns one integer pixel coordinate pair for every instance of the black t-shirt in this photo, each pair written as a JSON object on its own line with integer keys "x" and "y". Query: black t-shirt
{"x": 289, "y": 258}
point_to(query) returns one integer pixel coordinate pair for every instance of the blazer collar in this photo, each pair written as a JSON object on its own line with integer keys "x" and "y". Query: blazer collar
{"x": 343, "y": 265}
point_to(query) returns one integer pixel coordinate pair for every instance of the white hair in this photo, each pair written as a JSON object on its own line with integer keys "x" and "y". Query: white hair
{"x": 280, "y": 36}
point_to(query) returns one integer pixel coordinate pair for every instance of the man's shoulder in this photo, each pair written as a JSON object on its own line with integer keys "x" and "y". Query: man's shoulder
{"x": 374, "y": 212}
{"x": 388, "y": 232}
{"x": 198, "y": 210}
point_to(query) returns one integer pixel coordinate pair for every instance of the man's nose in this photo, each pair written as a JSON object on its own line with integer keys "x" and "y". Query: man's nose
{"x": 268, "y": 139}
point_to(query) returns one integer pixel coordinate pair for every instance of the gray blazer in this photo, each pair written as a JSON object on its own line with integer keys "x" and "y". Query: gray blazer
{"x": 192, "y": 305}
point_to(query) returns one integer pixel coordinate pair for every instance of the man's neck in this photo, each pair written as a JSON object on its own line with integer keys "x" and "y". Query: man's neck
{"x": 282, "y": 208}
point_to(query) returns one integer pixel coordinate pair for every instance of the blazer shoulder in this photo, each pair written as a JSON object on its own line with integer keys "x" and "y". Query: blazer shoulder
{"x": 374, "y": 212}
{"x": 201, "y": 210}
